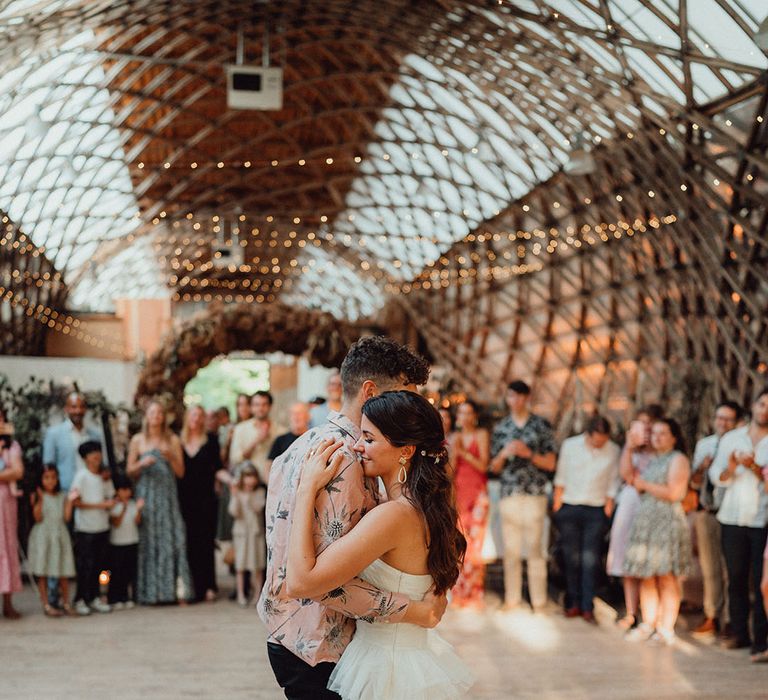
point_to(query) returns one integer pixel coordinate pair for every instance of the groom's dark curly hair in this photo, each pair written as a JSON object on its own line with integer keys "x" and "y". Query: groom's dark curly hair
{"x": 384, "y": 361}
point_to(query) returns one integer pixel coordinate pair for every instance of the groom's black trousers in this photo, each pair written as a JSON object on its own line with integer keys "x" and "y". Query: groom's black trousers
{"x": 297, "y": 678}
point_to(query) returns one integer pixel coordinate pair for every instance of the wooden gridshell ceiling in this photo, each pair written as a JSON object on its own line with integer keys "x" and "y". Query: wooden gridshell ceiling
{"x": 421, "y": 170}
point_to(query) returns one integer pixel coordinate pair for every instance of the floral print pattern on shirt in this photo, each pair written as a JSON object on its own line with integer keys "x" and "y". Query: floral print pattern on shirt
{"x": 520, "y": 476}
{"x": 320, "y": 630}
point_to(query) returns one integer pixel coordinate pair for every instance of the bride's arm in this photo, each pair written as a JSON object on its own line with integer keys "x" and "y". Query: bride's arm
{"x": 310, "y": 575}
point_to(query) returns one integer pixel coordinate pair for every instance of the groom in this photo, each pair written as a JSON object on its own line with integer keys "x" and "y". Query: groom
{"x": 307, "y": 637}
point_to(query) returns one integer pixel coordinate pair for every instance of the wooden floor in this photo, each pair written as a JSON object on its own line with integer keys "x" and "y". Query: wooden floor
{"x": 217, "y": 650}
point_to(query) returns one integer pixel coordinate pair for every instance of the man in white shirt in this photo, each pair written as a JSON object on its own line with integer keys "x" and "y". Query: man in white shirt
{"x": 708, "y": 535}
{"x": 586, "y": 482}
{"x": 252, "y": 438}
{"x": 743, "y": 516}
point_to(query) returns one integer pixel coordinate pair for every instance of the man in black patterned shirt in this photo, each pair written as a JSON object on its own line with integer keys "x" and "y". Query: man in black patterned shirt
{"x": 523, "y": 453}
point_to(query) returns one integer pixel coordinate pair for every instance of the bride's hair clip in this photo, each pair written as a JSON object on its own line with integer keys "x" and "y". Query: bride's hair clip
{"x": 436, "y": 455}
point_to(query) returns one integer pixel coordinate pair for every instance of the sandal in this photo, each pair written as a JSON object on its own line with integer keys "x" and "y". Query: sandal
{"x": 761, "y": 657}
{"x": 50, "y": 611}
{"x": 627, "y": 622}
{"x": 68, "y": 611}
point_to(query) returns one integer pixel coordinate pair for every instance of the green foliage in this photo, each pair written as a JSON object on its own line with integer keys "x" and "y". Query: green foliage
{"x": 219, "y": 383}
{"x": 32, "y": 405}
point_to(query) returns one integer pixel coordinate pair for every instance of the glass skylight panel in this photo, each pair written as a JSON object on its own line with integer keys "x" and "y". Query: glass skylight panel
{"x": 638, "y": 19}
{"x": 650, "y": 71}
{"x": 706, "y": 85}
{"x": 68, "y": 154}
{"x": 715, "y": 32}
{"x": 578, "y": 12}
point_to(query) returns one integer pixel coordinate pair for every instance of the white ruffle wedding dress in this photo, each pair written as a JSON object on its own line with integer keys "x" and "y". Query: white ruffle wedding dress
{"x": 399, "y": 661}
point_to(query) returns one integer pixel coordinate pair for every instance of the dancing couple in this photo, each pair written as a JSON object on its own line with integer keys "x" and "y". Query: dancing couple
{"x": 343, "y": 558}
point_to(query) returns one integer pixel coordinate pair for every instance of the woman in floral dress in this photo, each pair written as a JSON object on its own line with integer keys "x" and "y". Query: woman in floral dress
{"x": 659, "y": 550}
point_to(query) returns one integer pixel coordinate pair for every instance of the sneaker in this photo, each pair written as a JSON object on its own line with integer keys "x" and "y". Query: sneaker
{"x": 99, "y": 606}
{"x": 642, "y": 633}
{"x": 81, "y": 608}
{"x": 663, "y": 638}
{"x": 129, "y": 605}
{"x": 572, "y": 612}
{"x": 118, "y": 605}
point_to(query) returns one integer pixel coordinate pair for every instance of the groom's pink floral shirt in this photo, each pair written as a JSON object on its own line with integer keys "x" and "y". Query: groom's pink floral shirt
{"x": 319, "y": 630}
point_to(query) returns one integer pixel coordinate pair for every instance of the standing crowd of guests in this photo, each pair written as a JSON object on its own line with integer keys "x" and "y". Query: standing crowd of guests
{"x": 155, "y": 527}
{"x": 648, "y": 496}
{"x": 148, "y": 534}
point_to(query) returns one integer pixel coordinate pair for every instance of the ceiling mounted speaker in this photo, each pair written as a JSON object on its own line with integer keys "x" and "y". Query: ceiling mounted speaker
{"x": 254, "y": 87}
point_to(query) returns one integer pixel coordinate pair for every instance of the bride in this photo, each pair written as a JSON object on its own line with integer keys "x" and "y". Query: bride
{"x": 409, "y": 544}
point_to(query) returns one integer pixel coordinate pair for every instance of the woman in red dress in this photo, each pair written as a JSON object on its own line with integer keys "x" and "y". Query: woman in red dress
{"x": 469, "y": 449}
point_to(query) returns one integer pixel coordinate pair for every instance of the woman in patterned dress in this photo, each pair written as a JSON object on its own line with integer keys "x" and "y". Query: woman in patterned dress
{"x": 155, "y": 459}
{"x": 659, "y": 550}
{"x": 635, "y": 457}
{"x": 469, "y": 449}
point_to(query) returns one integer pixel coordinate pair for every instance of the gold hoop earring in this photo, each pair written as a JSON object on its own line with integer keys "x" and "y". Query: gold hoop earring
{"x": 402, "y": 474}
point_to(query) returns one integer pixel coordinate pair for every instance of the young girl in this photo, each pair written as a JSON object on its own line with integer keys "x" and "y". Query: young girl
{"x": 246, "y": 506}
{"x": 50, "y": 547}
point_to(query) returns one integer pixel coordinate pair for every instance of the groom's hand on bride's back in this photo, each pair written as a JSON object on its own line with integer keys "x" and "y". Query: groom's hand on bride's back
{"x": 427, "y": 612}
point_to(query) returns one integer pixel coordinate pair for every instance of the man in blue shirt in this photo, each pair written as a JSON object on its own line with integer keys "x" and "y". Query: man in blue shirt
{"x": 60, "y": 448}
{"x": 61, "y": 441}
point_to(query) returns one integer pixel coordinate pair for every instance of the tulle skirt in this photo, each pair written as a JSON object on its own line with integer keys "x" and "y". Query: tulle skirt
{"x": 399, "y": 662}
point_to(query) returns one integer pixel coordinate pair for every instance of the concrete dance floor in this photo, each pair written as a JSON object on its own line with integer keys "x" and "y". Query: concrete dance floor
{"x": 217, "y": 650}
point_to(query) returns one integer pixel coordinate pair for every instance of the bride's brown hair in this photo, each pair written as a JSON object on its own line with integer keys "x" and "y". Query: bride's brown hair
{"x": 405, "y": 418}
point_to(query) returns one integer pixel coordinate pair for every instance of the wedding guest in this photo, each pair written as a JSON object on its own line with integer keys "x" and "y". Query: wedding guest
{"x": 93, "y": 498}
{"x": 50, "y": 546}
{"x": 197, "y": 499}
{"x": 246, "y": 506}
{"x": 252, "y": 438}
{"x": 763, "y": 657}
{"x": 125, "y": 518}
{"x": 224, "y": 432}
{"x": 659, "y": 549}
{"x": 243, "y": 408}
{"x": 586, "y": 482}
{"x": 242, "y": 413}
{"x": 319, "y": 414}
{"x": 61, "y": 441}
{"x": 11, "y": 471}
{"x": 298, "y": 422}
{"x": 212, "y": 421}
{"x": 155, "y": 460}
{"x": 469, "y": 449}
{"x": 523, "y": 449}
{"x": 707, "y": 529}
{"x": 743, "y": 515}
{"x": 635, "y": 457}
{"x": 223, "y": 478}
{"x": 447, "y": 419}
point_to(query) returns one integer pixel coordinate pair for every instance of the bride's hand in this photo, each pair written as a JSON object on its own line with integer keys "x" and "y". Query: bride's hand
{"x": 436, "y": 605}
{"x": 321, "y": 464}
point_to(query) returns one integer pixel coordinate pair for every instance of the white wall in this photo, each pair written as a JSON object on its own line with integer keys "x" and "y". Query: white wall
{"x": 116, "y": 378}
{"x": 312, "y": 380}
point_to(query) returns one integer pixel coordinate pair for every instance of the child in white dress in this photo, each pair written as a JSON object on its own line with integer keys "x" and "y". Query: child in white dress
{"x": 50, "y": 547}
{"x": 246, "y": 506}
